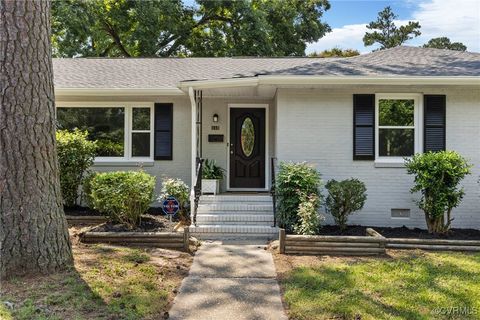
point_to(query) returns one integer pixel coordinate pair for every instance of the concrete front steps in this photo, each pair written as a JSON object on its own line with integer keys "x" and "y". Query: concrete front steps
{"x": 235, "y": 216}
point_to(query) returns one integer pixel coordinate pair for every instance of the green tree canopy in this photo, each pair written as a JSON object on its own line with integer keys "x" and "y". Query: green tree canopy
{"x": 445, "y": 43}
{"x": 112, "y": 28}
{"x": 387, "y": 34}
{"x": 335, "y": 52}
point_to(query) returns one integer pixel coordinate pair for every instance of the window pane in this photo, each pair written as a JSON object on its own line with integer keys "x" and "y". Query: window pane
{"x": 141, "y": 119}
{"x": 247, "y": 137}
{"x": 396, "y": 112}
{"x": 105, "y": 125}
{"x": 141, "y": 144}
{"x": 396, "y": 142}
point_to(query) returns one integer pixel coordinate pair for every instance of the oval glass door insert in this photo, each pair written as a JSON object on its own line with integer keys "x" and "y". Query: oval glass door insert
{"x": 248, "y": 136}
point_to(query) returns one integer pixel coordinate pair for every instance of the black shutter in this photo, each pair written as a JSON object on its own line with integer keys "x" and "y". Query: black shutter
{"x": 434, "y": 122}
{"x": 363, "y": 127}
{"x": 163, "y": 131}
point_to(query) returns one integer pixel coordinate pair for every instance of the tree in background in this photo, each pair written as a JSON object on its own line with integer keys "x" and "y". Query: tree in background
{"x": 127, "y": 28}
{"x": 33, "y": 228}
{"x": 387, "y": 34}
{"x": 445, "y": 43}
{"x": 334, "y": 53}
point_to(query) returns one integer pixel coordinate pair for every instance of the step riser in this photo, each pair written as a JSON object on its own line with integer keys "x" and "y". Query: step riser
{"x": 260, "y": 220}
{"x": 237, "y": 223}
{"x": 204, "y": 208}
{"x": 234, "y": 213}
{"x": 236, "y": 218}
{"x": 235, "y": 199}
{"x": 227, "y": 236}
{"x": 234, "y": 229}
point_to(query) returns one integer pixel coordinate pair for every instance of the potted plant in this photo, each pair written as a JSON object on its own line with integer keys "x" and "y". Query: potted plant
{"x": 211, "y": 176}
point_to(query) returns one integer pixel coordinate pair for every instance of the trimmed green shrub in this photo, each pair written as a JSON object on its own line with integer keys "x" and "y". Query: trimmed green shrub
{"x": 293, "y": 180}
{"x": 75, "y": 155}
{"x": 437, "y": 175}
{"x": 210, "y": 170}
{"x": 123, "y": 195}
{"x": 179, "y": 190}
{"x": 344, "y": 198}
{"x": 309, "y": 218}
{"x": 87, "y": 189}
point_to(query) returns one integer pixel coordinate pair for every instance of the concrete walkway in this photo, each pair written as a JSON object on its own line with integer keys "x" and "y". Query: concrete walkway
{"x": 230, "y": 281}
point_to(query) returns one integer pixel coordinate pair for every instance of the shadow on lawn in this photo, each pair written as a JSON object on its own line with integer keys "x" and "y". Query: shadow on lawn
{"x": 381, "y": 288}
{"x": 106, "y": 283}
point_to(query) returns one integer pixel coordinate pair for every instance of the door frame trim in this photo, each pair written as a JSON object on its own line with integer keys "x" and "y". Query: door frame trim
{"x": 267, "y": 172}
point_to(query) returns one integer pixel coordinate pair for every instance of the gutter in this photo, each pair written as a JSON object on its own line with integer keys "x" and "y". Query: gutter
{"x": 219, "y": 83}
{"x": 332, "y": 80}
{"x": 165, "y": 91}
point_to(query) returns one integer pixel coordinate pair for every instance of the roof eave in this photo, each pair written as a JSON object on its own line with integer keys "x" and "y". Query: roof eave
{"x": 332, "y": 80}
{"x": 118, "y": 91}
{"x": 219, "y": 83}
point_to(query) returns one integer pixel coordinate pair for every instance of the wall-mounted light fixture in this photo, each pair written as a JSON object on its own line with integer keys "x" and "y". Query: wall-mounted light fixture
{"x": 215, "y": 118}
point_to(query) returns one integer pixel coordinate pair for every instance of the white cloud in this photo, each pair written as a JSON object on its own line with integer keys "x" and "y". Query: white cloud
{"x": 346, "y": 37}
{"x": 457, "y": 19}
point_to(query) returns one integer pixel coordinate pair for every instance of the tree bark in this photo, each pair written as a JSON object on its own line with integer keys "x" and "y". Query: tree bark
{"x": 33, "y": 228}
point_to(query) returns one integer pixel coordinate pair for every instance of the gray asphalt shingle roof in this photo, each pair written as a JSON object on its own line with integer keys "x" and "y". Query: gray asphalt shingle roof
{"x": 168, "y": 72}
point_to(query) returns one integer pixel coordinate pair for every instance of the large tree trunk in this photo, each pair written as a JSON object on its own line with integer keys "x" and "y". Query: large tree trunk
{"x": 33, "y": 227}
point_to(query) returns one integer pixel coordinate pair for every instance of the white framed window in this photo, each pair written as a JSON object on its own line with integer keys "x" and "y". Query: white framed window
{"x": 398, "y": 132}
{"x": 123, "y": 131}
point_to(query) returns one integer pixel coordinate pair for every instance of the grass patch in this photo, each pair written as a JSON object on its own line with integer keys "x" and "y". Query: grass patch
{"x": 412, "y": 285}
{"x": 137, "y": 257}
{"x": 107, "y": 283}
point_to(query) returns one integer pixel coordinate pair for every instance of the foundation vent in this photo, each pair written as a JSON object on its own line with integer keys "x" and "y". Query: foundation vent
{"x": 400, "y": 213}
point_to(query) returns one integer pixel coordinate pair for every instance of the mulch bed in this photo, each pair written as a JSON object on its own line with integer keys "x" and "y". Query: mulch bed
{"x": 401, "y": 232}
{"x": 86, "y": 211}
{"x": 404, "y": 232}
{"x": 148, "y": 223}
{"x": 350, "y": 231}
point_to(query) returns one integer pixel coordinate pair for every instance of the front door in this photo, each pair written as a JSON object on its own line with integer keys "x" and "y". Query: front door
{"x": 247, "y": 148}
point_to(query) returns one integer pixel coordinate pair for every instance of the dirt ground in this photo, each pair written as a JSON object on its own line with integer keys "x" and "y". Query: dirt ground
{"x": 107, "y": 282}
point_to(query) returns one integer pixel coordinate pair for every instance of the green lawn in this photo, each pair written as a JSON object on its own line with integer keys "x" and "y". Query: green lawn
{"x": 107, "y": 283}
{"x": 410, "y": 285}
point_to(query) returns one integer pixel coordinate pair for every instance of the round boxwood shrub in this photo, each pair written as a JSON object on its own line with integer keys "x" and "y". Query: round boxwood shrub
{"x": 75, "y": 155}
{"x": 344, "y": 198}
{"x": 293, "y": 180}
{"x": 123, "y": 195}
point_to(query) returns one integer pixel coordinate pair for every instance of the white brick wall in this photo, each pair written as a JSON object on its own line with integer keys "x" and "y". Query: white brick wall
{"x": 316, "y": 126}
{"x": 179, "y": 167}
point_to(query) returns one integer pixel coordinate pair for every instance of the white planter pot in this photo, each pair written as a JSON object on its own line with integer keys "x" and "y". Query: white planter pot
{"x": 210, "y": 186}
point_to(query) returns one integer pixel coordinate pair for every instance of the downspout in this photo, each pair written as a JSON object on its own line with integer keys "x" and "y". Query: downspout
{"x": 191, "y": 94}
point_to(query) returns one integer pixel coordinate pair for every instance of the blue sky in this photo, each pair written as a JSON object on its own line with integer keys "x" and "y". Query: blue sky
{"x": 352, "y": 12}
{"x": 457, "y": 19}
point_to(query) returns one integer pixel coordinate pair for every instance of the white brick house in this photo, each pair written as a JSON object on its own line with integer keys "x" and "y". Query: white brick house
{"x": 159, "y": 113}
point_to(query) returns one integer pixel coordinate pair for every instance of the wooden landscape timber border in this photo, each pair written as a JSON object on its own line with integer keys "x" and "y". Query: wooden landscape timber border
{"x": 433, "y": 244}
{"x": 86, "y": 219}
{"x": 371, "y": 244}
{"x": 166, "y": 240}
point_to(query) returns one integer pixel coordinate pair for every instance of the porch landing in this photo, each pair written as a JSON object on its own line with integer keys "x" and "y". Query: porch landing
{"x": 235, "y": 216}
